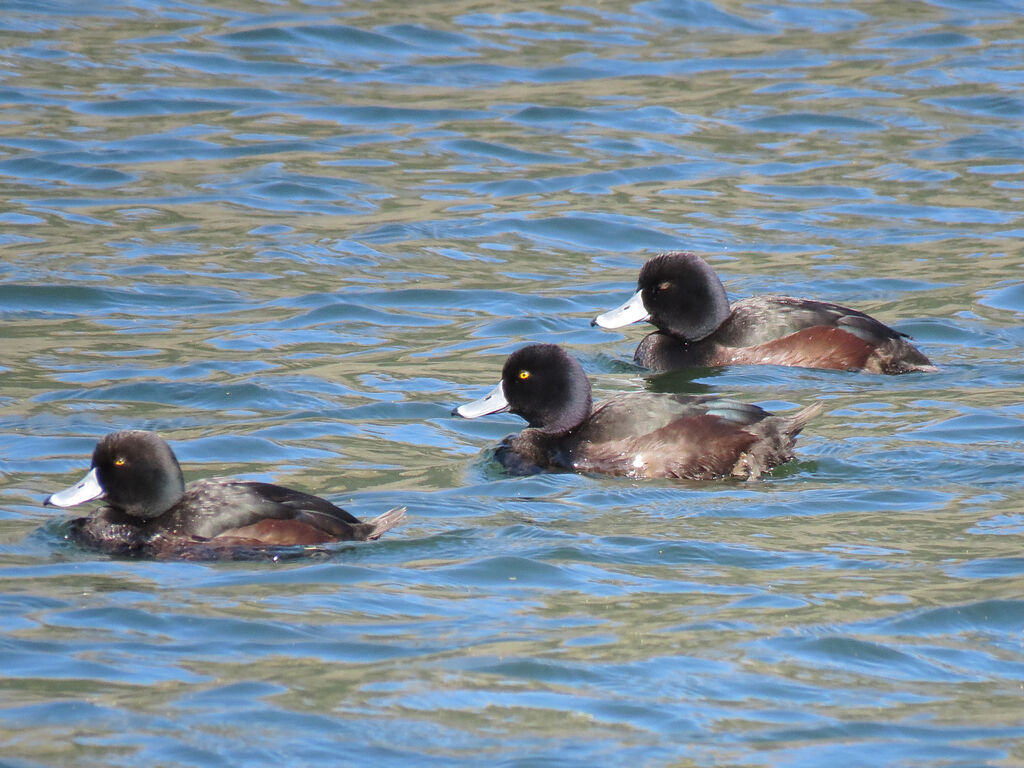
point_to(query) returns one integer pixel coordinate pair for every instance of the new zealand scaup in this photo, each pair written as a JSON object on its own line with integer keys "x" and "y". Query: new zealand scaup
{"x": 150, "y": 510}
{"x": 682, "y": 296}
{"x": 642, "y": 434}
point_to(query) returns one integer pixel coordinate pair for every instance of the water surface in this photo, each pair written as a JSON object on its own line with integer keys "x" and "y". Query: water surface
{"x": 292, "y": 236}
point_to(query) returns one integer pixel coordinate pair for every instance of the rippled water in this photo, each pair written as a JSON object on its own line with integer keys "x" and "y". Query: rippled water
{"x": 290, "y": 236}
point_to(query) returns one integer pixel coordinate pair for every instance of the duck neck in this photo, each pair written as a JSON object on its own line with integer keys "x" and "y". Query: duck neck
{"x": 560, "y": 420}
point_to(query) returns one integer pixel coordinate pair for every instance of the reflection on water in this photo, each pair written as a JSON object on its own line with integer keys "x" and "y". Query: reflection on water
{"x": 291, "y": 237}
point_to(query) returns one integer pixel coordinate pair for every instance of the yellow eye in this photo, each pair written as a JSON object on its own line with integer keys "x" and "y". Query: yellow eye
{"x": 664, "y": 285}
{"x": 119, "y": 461}
{"x": 524, "y": 374}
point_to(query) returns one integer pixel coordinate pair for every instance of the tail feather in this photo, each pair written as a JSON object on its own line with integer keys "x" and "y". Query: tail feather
{"x": 384, "y": 523}
{"x": 775, "y": 442}
{"x": 798, "y": 420}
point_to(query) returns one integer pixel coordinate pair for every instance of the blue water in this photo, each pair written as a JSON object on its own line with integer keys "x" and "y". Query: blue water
{"x": 291, "y": 236}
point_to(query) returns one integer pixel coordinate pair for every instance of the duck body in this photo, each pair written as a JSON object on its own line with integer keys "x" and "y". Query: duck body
{"x": 150, "y": 510}
{"x": 640, "y": 435}
{"x": 779, "y": 330}
{"x": 683, "y": 437}
{"x": 697, "y": 327}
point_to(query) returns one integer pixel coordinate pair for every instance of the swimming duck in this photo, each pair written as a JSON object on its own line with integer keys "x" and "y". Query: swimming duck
{"x": 682, "y": 296}
{"x": 149, "y": 509}
{"x": 640, "y": 435}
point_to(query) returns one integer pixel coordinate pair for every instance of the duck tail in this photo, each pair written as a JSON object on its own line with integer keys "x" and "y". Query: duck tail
{"x": 384, "y": 523}
{"x": 798, "y": 420}
{"x": 775, "y": 442}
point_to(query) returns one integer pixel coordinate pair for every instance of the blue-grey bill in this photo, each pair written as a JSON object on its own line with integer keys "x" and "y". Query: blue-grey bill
{"x": 633, "y": 311}
{"x": 493, "y": 402}
{"x": 86, "y": 489}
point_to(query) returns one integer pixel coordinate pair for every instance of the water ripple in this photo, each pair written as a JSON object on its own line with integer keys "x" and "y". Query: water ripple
{"x": 292, "y": 238}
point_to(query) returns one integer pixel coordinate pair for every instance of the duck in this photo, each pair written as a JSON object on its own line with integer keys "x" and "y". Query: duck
{"x": 681, "y": 295}
{"x": 639, "y": 434}
{"x": 150, "y": 510}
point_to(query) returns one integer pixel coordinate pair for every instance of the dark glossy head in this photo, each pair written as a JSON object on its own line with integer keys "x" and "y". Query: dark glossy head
{"x": 544, "y": 385}
{"x": 683, "y": 295}
{"x": 135, "y": 472}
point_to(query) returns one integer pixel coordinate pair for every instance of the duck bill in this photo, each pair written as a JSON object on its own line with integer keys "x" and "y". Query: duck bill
{"x": 86, "y": 489}
{"x": 633, "y": 311}
{"x": 493, "y": 402}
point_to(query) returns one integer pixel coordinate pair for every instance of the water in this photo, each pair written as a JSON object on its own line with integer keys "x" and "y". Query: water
{"x": 291, "y": 236}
